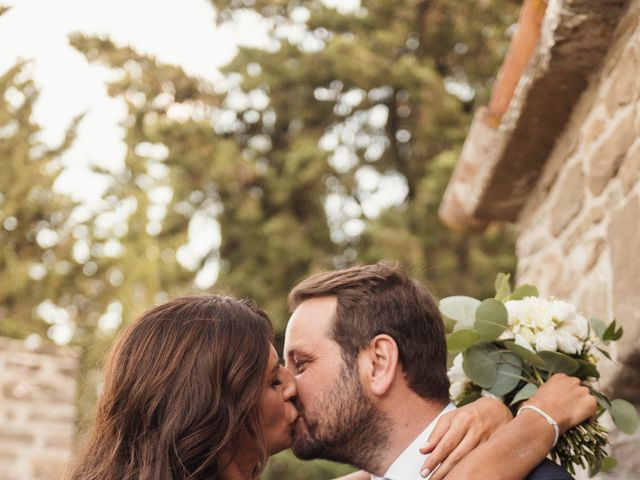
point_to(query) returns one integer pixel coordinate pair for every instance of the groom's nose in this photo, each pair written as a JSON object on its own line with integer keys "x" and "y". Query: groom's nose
{"x": 290, "y": 391}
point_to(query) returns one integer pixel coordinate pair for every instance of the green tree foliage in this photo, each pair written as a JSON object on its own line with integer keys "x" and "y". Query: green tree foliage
{"x": 330, "y": 145}
{"x": 373, "y": 83}
{"x": 35, "y": 235}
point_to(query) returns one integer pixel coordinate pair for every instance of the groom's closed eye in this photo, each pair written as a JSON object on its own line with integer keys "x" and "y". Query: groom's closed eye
{"x": 298, "y": 365}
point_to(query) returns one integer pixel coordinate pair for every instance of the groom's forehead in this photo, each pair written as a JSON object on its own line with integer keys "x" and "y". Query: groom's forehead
{"x": 310, "y": 323}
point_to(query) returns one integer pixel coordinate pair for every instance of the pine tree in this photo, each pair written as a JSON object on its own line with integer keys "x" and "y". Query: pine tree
{"x": 291, "y": 155}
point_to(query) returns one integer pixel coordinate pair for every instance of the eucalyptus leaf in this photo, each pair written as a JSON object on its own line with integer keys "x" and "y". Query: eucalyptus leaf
{"x": 491, "y": 319}
{"x": 587, "y": 370}
{"x": 525, "y": 354}
{"x": 460, "y": 309}
{"x": 526, "y": 392}
{"x": 509, "y": 374}
{"x": 605, "y": 353}
{"x": 598, "y": 326}
{"x": 624, "y": 415}
{"x": 461, "y": 340}
{"x": 612, "y": 333}
{"x": 524, "y": 291}
{"x": 480, "y": 364}
{"x": 556, "y": 362}
{"x": 503, "y": 289}
{"x": 450, "y": 357}
{"x": 470, "y": 397}
{"x": 608, "y": 464}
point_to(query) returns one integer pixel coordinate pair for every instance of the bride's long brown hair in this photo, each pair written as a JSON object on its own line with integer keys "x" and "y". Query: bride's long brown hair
{"x": 182, "y": 384}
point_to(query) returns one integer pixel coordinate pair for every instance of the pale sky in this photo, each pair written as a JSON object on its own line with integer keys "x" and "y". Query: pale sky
{"x": 180, "y": 32}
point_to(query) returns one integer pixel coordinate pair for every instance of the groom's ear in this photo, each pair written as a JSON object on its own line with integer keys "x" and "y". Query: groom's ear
{"x": 379, "y": 364}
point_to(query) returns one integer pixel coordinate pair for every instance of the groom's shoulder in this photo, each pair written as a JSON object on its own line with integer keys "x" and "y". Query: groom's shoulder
{"x": 547, "y": 470}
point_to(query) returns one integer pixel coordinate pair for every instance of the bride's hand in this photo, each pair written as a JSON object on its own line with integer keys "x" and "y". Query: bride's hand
{"x": 460, "y": 431}
{"x": 567, "y": 401}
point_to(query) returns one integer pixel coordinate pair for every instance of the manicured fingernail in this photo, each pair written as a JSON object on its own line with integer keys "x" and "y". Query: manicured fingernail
{"x": 425, "y": 473}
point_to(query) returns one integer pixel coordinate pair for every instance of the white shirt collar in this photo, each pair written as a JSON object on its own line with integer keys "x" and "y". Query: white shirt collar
{"x": 408, "y": 465}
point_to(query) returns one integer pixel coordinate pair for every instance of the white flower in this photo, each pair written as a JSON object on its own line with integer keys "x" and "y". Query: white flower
{"x": 567, "y": 343}
{"x": 546, "y": 340}
{"x": 530, "y": 312}
{"x": 457, "y": 377}
{"x": 456, "y": 389}
{"x": 577, "y": 326}
{"x": 506, "y": 335}
{"x": 456, "y": 372}
{"x": 528, "y": 335}
{"x": 562, "y": 311}
{"x": 520, "y": 340}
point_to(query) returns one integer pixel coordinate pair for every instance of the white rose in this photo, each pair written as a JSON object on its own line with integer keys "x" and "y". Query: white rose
{"x": 456, "y": 389}
{"x": 506, "y": 335}
{"x": 457, "y": 377}
{"x": 546, "y": 340}
{"x": 530, "y": 312}
{"x": 456, "y": 372}
{"x": 562, "y": 311}
{"x": 520, "y": 340}
{"x": 577, "y": 326}
{"x": 528, "y": 335}
{"x": 567, "y": 343}
{"x": 515, "y": 310}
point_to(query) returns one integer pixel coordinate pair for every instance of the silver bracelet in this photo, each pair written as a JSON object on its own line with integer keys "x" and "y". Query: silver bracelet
{"x": 547, "y": 417}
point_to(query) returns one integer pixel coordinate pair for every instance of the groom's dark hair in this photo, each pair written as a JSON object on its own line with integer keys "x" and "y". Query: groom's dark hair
{"x": 382, "y": 299}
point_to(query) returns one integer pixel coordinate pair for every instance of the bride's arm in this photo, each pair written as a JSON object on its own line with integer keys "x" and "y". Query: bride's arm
{"x": 517, "y": 447}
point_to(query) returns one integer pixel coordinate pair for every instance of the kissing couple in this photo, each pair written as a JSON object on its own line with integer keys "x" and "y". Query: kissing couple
{"x": 194, "y": 390}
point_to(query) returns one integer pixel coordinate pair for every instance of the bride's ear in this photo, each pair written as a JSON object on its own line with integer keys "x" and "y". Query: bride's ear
{"x": 379, "y": 364}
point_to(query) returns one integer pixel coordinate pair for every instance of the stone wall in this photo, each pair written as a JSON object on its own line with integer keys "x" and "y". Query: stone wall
{"x": 579, "y": 232}
{"x": 37, "y": 409}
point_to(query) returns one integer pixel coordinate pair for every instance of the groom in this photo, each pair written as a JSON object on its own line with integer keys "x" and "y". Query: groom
{"x": 367, "y": 347}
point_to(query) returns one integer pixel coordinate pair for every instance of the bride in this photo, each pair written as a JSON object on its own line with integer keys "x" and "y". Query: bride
{"x": 194, "y": 390}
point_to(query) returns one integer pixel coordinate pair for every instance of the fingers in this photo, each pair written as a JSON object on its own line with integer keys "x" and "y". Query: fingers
{"x": 442, "y": 448}
{"x": 456, "y": 440}
{"x": 566, "y": 400}
{"x": 438, "y": 432}
{"x": 463, "y": 448}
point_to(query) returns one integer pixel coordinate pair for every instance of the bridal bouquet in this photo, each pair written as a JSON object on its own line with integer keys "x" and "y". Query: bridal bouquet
{"x": 509, "y": 345}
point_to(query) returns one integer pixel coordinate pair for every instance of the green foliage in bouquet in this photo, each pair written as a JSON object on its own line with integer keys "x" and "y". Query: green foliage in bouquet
{"x": 509, "y": 345}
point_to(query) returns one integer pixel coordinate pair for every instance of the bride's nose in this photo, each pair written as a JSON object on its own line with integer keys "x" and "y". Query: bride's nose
{"x": 290, "y": 391}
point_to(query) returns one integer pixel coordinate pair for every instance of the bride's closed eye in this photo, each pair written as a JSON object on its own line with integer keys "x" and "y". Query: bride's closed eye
{"x": 276, "y": 380}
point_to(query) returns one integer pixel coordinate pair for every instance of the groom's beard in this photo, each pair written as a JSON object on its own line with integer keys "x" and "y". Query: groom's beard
{"x": 347, "y": 427}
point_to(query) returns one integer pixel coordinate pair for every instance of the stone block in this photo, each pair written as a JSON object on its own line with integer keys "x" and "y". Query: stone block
{"x": 623, "y": 86}
{"x": 16, "y": 435}
{"x": 624, "y": 240}
{"x": 37, "y": 411}
{"x": 594, "y": 299}
{"x": 606, "y": 161}
{"x": 629, "y": 173}
{"x": 569, "y": 200}
{"x": 593, "y": 130}
{"x": 44, "y": 413}
{"x": 47, "y": 467}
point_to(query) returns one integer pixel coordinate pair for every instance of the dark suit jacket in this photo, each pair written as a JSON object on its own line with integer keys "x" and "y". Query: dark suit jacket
{"x": 548, "y": 470}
